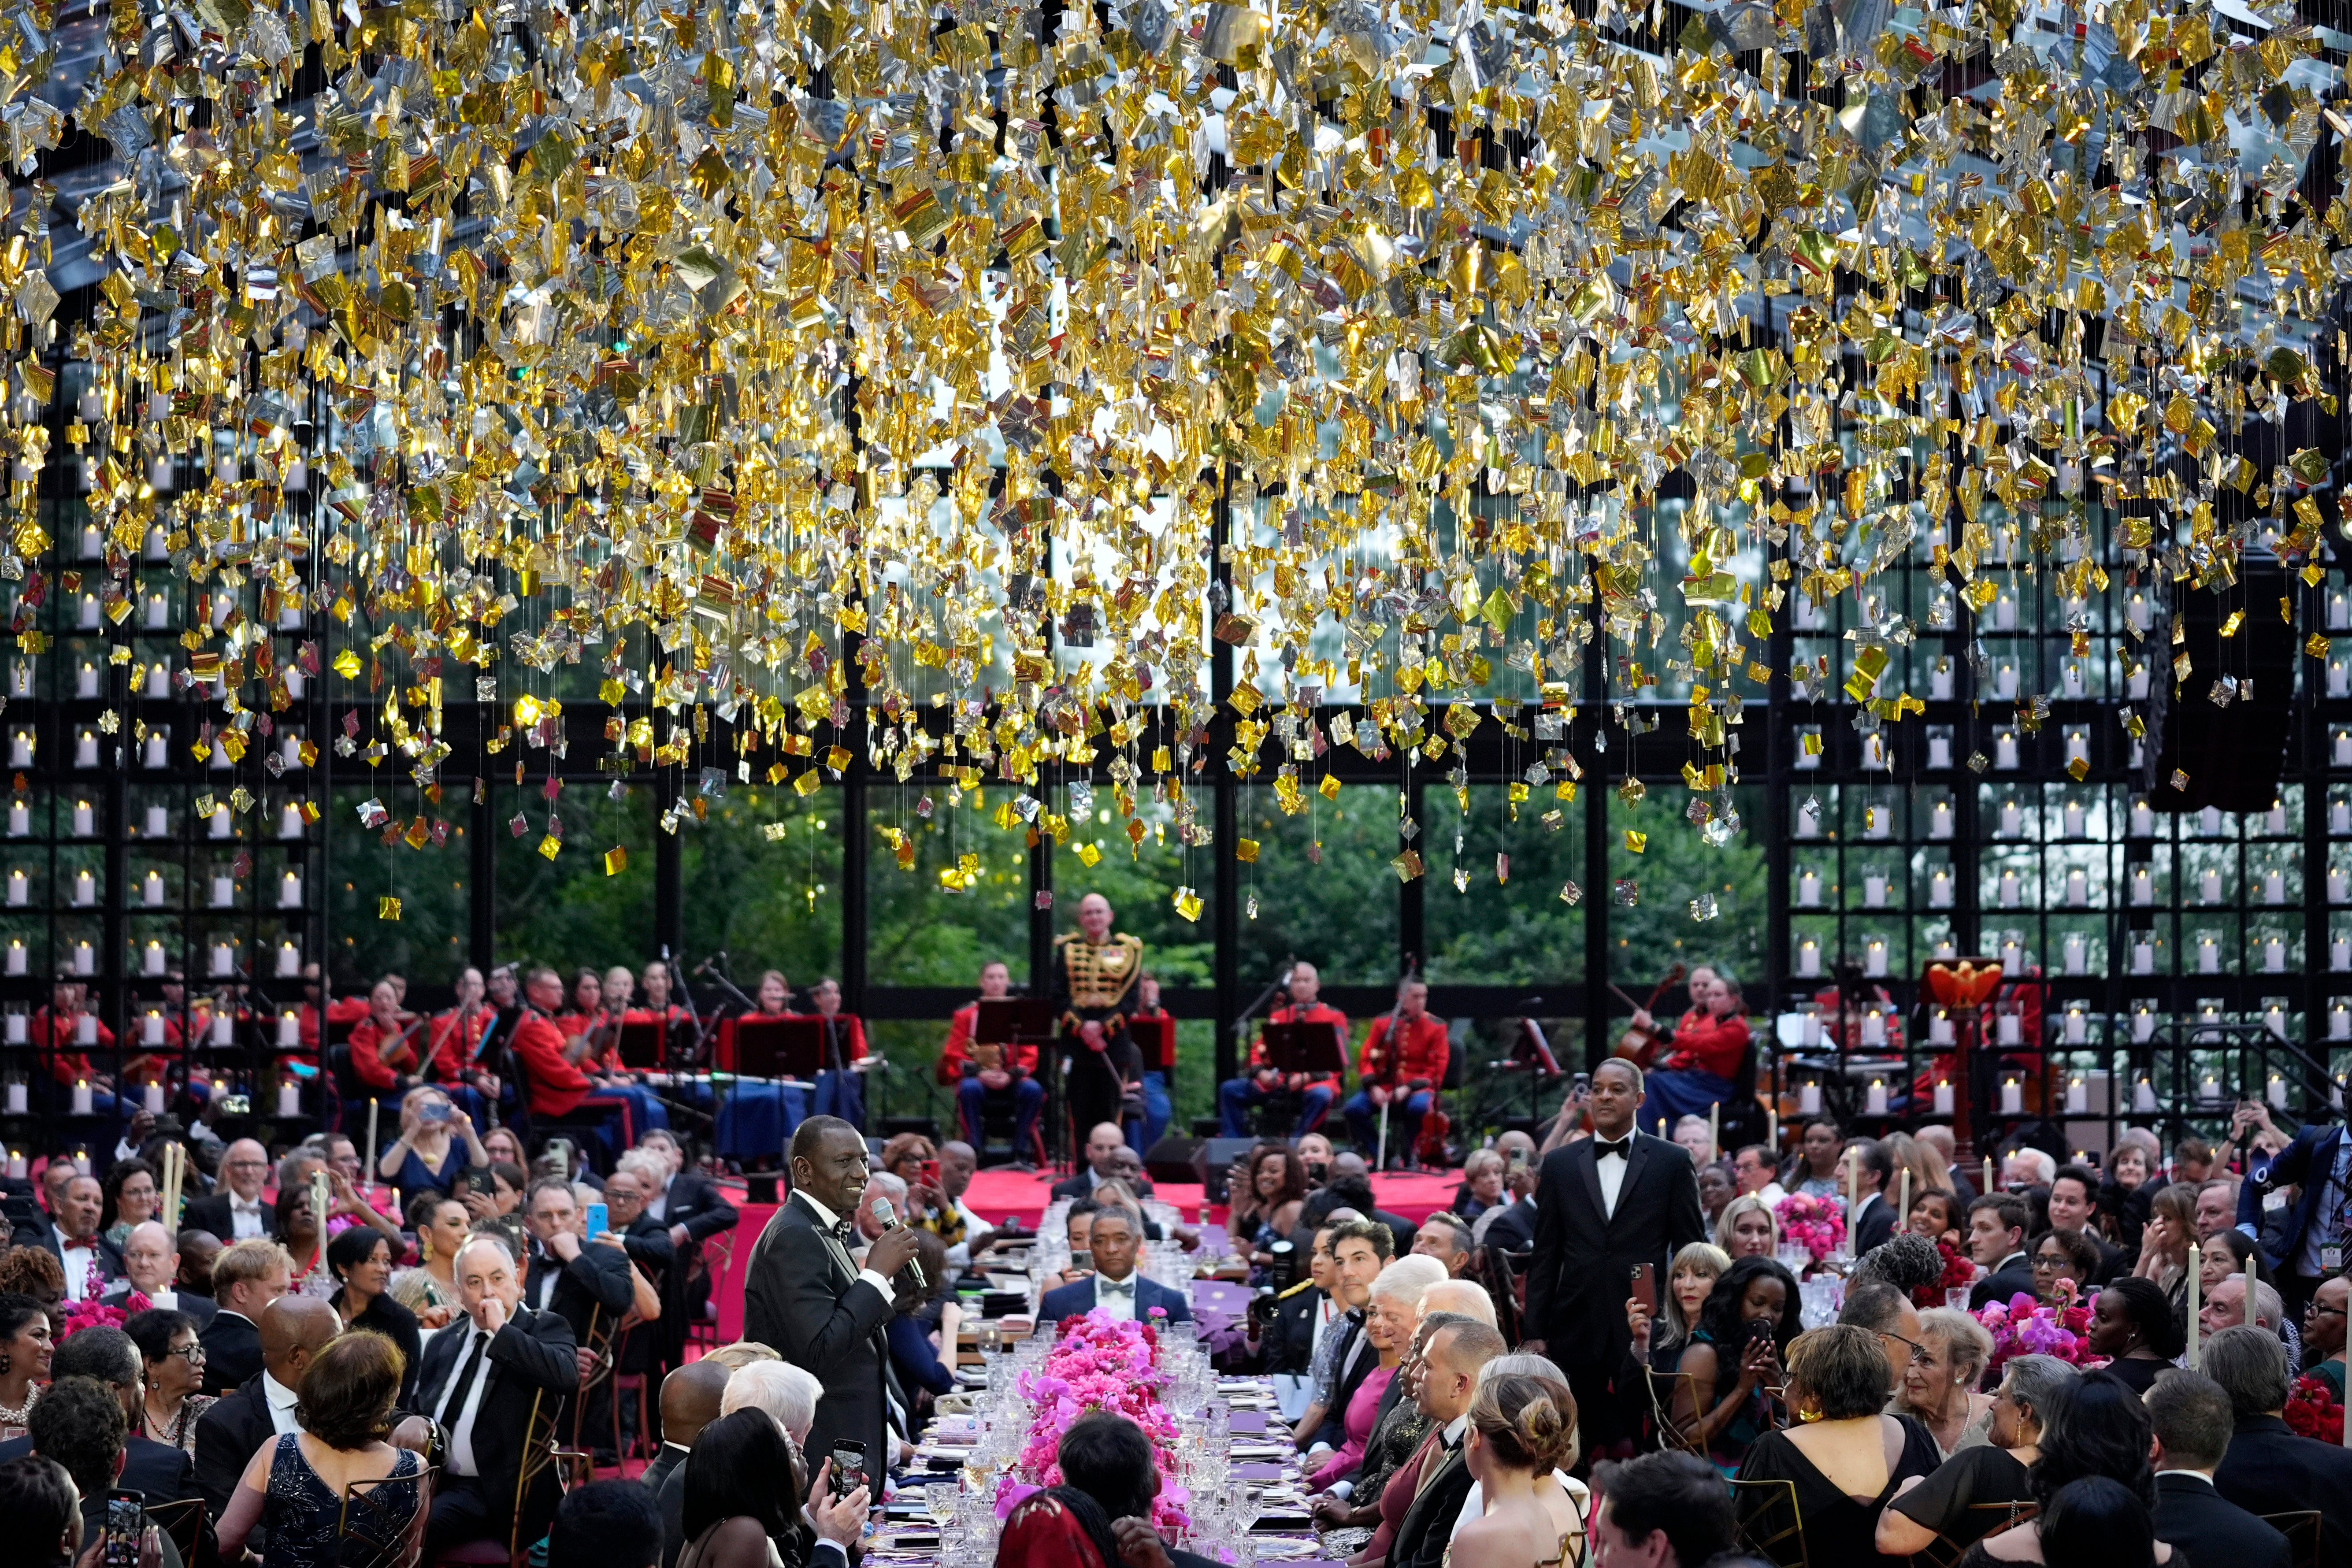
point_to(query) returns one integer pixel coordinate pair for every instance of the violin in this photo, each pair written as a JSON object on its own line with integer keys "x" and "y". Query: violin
{"x": 1638, "y": 1044}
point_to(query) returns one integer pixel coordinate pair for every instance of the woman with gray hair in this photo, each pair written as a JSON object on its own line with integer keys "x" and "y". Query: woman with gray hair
{"x": 1958, "y": 1501}
{"x": 1938, "y": 1386}
{"x": 1389, "y": 1321}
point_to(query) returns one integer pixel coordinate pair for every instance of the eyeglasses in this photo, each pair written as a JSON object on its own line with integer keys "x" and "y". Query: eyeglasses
{"x": 191, "y": 1354}
{"x": 2043, "y": 1261}
{"x": 2319, "y": 1311}
{"x": 1919, "y": 1355}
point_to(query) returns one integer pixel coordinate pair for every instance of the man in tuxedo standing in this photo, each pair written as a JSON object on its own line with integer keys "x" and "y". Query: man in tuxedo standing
{"x": 1605, "y": 1205}
{"x": 1115, "y": 1287}
{"x": 485, "y": 1378}
{"x": 236, "y": 1214}
{"x": 821, "y": 1311}
{"x": 151, "y": 1265}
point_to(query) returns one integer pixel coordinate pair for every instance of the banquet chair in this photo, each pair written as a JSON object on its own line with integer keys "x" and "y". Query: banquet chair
{"x": 1771, "y": 1522}
{"x": 2304, "y": 1530}
{"x": 597, "y": 1376}
{"x": 718, "y": 1256}
{"x": 1664, "y": 1387}
{"x": 1984, "y": 1519}
{"x": 539, "y": 1453}
{"x": 184, "y": 1521}
{"x": 370, "y": 1533}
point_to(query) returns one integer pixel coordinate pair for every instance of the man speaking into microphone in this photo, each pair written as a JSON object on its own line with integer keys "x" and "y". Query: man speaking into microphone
{"x": 818, "y": 1309}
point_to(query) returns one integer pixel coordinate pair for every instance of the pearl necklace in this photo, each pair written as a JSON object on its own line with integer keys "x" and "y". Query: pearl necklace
{"x": 18, "y": 1417}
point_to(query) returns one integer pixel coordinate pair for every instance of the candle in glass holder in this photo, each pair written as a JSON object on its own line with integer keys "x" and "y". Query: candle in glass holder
{"x": 2273, "y": 956}
{"x": 158, "y": 822}
{"x": 2004, "y": 750}
{"x": 2209, "y": 886}
{"x": 1808, "y": 958}
{"x": 154, "y": 1099}
{"x": 223, "y": 959}
{"x": 1943, "y": 1097}
{"x": 2339, "y": 817}
{"x": 289, "y": 960}
{"x": 17, "y": 1167}
{"x": 1809, "y": 1099}
{"x": 1940, "y": 820}
{"x": 2012, "y": 957}
{"x": 2078, "y": 1095}
{"x": 2010, "y": 1029}
{"x": 2007, "y": 889}
{"x": 1874, "y": 890}
{"x": 2078, "y": 749}
{"x": 2074, "y": 952}
{"x": 82, "y": 1097}
{"x": 290, "y": 1098}
{"x": 294, "y": 680}
{"x": 158, "y": 613}
{"x": 85, "y": 962}
{"x": 1874, "y": 1099}
{"x": 223, "y": 890}
{"x": 223, "y": 1029}
{"x": 290, "y": 891}
{"x": 150, "y": 959}
{"x": 20, "y": 749}
{"x": 85, "y": 819}
{"x": 222, "y": 824}
{"x": 2012, "y": 819}
{"x": 289, "y": 1029}
{"x": 1939, "y": 890}
{"x": 1873, "y": 1027}
{"x": 2078, "y": 889}
{"x": 150, "y": 889}
{"x": 2335, "y": 885}
{"x": 2340, "y": 953}
{"x": 2078, "y": 1024}
{"x": 2143, "y": 1098}
{"x": 2277, "y": 1092}
{"x": 290, "y": 747}
{"x": 2004, "y": 687}
{"x": 20, "y": 889}
{"x": 1940, "y": 750}
{"x": 17, "y": 1089}
{"x": 2340, "y": 1022}
{"x": 151, "y": 1028}
{"x": 2143, "y": 819}
{"x": 2275, "y": 1020}
{"x": 85, "y": 747}
{"x": 2274, "y": 819}
{"x": 2012, "y": 1094}
{"x": 1943, "y": 948}
{"x": 2275, "y": 886}
{"x": 1878, "y": 822}
{"x": 2143, "y": 885}
{"x": 15, "y": 961}
{"x": 1809, "y": 820}
{"x": 2209, "y": 956}
{"x": 2143, "y": 956}
{"x": 1939, "y": 1027}
{"x": 2073, "y": 818}
{"x": 1874, "y": 958}
{"x": 20, "y": 820}
{"x": 1809, "y": 889}
{"x": 289, "y": 821}
{"x": 159, "y": 683}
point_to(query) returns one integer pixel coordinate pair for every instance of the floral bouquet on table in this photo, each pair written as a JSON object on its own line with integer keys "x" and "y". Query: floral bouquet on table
{"x": 1958, "y": 1274}
{"x": 2312, "y": 1411}
{"x": 95, "y": 1314}
{"x": 1101, "y": 1365}
{"x": 1812, "y": 1223}
{"x": 2025, "y": 1326}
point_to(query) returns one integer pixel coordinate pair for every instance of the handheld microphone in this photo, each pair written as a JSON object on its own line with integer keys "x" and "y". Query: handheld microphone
{"x": 883, "y": 1217}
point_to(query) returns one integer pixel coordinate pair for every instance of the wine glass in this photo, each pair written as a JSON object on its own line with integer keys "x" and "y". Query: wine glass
{"x": 940, "y": 1502}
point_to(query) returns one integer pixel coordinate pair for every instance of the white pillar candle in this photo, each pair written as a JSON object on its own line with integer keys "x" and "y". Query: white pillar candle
{"x": 1940, "y": 820}
{"x": 2340, "y": 1022}
{"x": 158, "y": 822}
{"x": 2008, "y": 887}
{"x": 2078, "y": 1095}
{"x": 2335, "y": 885}
{"x": 1878, "y": 822}
{"x": 290, "y": 891}
{"x": 150, "y": 890}
{"x": 1874, "y": 958}
{"x": 1809, "y": 1099}
{"x": 289, "y": 960}
{"x": 1939, "y": 686}
{"x": 158, "y": 680}
{"x": 2012, "y": 1093}
{"x": 153, "y": 753}
{"x": 2208, "y": 1037}
{"x": 289, "y": 821}
{"x": 2143, "y": 1098}
{"x": 86, "y": 681}
{"x": 2004, "y": 683}
{"x": 20, "y": 889}
{"x": 154, "y": 1099}
{"x": 290, "y": 747}
{"x": 84, "y": 889}
{"x": 85, "y": 819}
{"x": 2274, "y": 820}
{"x": 82, "y": 1097}
{"x": 1808, "y": 958}
{"x": 223, "y": 890}
{"x": 1873, "y": 1027}
{"x": 2004, "y": 750}
{"x": 2143, "y": 956}
{"x": 2143, "y": 820}
{"x": 1943, "y": 1097}
{"x": 222, "y": 824}
{"x": 2075, "y": 953}
{"x": 151, "y": 1028}
{"x": 2340, "y": 953}
{"x": 2010, "y": 1029}
{"x": 2339, "y": 817}
{"x": 2277, "y": 1092}
{"x": 1940, "y": 750}
{"x": 2209, "y": 956}
{"x": 2275, "y": 1020}
{"x": 2209, "y": 886}
{"x": 1809, "y": 889}
{"x": 289, "y": 1029}
{"x": 2339, "y": 611}
{"x": 294, "y": 680}
{"x": 2012, "y": 819}
{"x": 1809, "y": 820}
{"x": 85, "y": 962}
{"x": 2274, "y": 886}
{"x": 1939, "y": 1027}
{"x": 1940, "y": 891}
{"x": 290, "y": 1098}
{"x": 159, "y": 612}
{"x": 2074, "y": 818}
{"x": 16, "y": 1036}
{"x": 2078, "y": 747}
{"x": 20, "y": 749}
{"x": 2078, "y": 889}
{"x": 17, "y": 1167}
{"x": 223, "y": 959}
{"x": 2012, "y": 957}
{"x": 1874, "y": 1099}
{"x": 2143, "y": 885}
{"x": 1943, "y": 948}
{"x": 223, "y": 1029}
{"x": 85, "y": 747}
{"x": 151, "y": 960}
{"x": 2273, "y": 956}
{"x": 2142, "y": 1024}
{"x": 2208, "y": 821}
{"x": 16, "y": 964}
{"x": 1874, "y": 890}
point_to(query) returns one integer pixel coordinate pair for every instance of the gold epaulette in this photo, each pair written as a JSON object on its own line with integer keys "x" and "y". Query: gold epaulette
{"x": 1295, "y": 1289}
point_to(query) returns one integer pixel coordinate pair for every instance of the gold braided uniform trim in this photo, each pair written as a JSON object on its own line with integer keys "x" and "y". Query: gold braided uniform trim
{"x": 1100, "y": 976}
{"x": 1295, "y": 1289}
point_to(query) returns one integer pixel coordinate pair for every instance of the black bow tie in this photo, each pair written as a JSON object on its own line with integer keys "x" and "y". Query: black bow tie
{"x": 1623, "y": 1147}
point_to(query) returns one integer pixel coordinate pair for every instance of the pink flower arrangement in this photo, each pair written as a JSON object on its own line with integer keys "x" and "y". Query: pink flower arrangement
{"x": 2025, "y": 1326}
{"x": 1810, "y": 1223}
{"x": 96, "y": 1314}
{"x": 1958, "y": 1274}
{"x": 1101, "y": 1365}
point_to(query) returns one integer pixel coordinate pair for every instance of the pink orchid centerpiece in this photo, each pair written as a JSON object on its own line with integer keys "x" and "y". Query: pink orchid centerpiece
{"x": 95, "y": 1314}
{"x": 1814, "y": 1223}
{"x": 2024, "y": 1325}
{"x": 1099, "y": 1364}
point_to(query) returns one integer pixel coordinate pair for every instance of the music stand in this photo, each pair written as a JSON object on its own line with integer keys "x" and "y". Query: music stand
{"x": 1161, "y": 1032}
{"x": 1313, "y": 1049}
{"x": 780, "y": 1047}
{"x": 1013, "y": 1021}
{"x": 640, "y": 1046}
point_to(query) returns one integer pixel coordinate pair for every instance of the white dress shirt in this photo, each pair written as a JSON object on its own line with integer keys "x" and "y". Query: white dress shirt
{"x": 1610, "y": 1169}
{"x": 83, "y": 1279}
{"x": 1115, "y": 1298}
{"x": 281, "y": 1400}
{"x": 245, "y": 1217}
{"x": 658, "y": 1204}
{"x": 459, "y": 1422}
{"x": 828, "y": 1219}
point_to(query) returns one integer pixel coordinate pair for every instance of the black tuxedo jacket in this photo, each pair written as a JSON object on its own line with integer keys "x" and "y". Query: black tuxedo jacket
{"x": 591, "y": 1291}
{"x": 1877, "y": 1223}
{"x": 42, "y": 1233}
{"x": 227, "y": 1436}
{"x": 702, "y": 1208}
{"x": 2015, "y": 1276}
{"x": 651, "y": 1249}
{"x": 1514, "y": 1230}
{"x": 2269, "y": 1469}
{"x": 1290, "y": 1337}
{"x": 1585, "y": 1258}
{"x": 198, "y": 1308}
{"x": 2192, "y": 1516}
{"x": 232, "y": 1351}
{"x": 803, "y": 1299}
{"x": 211, "y": 1215}
{"x": 530, "y": 1361}
{"x": 1428, "y": 1527}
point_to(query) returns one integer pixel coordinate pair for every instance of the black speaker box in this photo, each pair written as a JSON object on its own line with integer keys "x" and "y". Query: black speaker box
{"x": 2231, "y": 754}
{"x": 1171, "y": 1159}
{"x": 1212, "y": 1160}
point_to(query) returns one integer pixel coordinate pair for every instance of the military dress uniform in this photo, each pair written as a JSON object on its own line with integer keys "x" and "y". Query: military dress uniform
{"x": 1091, "y": 984}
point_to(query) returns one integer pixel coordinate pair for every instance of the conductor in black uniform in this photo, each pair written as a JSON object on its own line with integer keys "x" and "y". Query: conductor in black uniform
{"x": 817, "y": 1308}
{"x": 1094, "y": 977}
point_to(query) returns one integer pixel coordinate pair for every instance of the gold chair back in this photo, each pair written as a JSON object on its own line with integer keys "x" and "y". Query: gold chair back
{"x": 1982, "y": 1519}
{"x": 1771, "y": 1522}
{"x": 378, "y": 1530}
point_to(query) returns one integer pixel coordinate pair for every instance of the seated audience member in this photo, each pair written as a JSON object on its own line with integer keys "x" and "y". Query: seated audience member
{"x": 40, "y": 1513}
{"x": 1694, "y": 1134}
{"x": 1997, "y": 1223}
{"x": 109, "y": 1357}
{"x": 2237, "y": 1300}
{"x": 1445, "y": 1236}
{"x": 1100, "y": 1514}
{"x": 81, "y": 1425}
{"x": 1349, "y": 1514}
{"x": 749, "y": 1504}
{"x": 1938, "y": 1384}
{"x": 2324, "y": 1334}
{"x": 1715, "y": 1191}
{"x": 1389, "y": 1318}
{"x": 2074, "y": 1206}
{"x": 151, "y": 1266}
{"x": 2098, "y": 1429}
{"x": 1844, "y": 1456}
{"x": 1668, "y": 1509}
{"x": 1888, "y": 1313}
{"x": 1114, "y": 1235}
{"x": 1747, "y": 1229}
{"x": 297, "y": 1485}
{"x": 607, "y": 1524}
{"x": 1260, "y": 1082}
{"x": 2217, "y": 1206}
{"x": 1950, "y": 1501}
{"x": 2134, "y": 1326}
{"x": 1658, "y": 1342}
{"x": 1460, "y": 1295}
{"x": 788, "y": 1393}
{"x": 1522, "y": 1434}
{"x": 1756, "y": 1174}
{"x": 691, "y": 1399}
{"x": 1008, "y": 1079}
{"x": 360, "y": 1260}
{"x": 1722, "y": 1395}
{"x": 2066, "y": 1260}
{"x": 1709, "y": 1042}
{"x": 294, "y": 1329}
{"x": 2269, "y": 1468}
{"x": 173, "y": 1359}
{"x": 1481, "y": 1184}
{"x": 1936, "y": 1216}
{"x": 2093, "y": 1522}
{"x": 1818, "y": 1171}
{"x": 246, "y": 1278}
{"x": 2192, "y": 1422}
{"x": 1457, "y": 1355}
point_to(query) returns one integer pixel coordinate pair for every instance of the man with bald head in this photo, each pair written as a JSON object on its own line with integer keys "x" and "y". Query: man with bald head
{"x": 151, "y": 1266}
{"x": 235, "y": 1211}
{"x": 1093, "y": 983}
{"x": 1314, "y": 1091}
{"x": 293, "y": 1329}
{"x": 199, "y": 1250}
{"x": 689, "y": 1401}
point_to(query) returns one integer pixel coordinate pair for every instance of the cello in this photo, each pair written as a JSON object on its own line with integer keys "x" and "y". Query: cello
{"x": 1638, "y": 1044}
